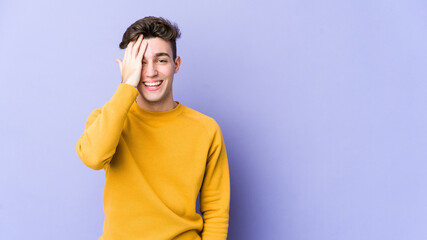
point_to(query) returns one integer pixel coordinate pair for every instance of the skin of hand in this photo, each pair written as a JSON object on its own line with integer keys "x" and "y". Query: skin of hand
{"x": 131, "y": 66}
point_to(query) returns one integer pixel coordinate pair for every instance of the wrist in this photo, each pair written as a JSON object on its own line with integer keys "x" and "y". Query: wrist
{"x": 130, "y": 84}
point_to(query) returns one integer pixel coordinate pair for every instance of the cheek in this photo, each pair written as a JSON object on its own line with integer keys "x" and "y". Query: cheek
{"x": 167, "y": 71}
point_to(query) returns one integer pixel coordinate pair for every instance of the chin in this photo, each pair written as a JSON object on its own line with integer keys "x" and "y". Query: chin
{"x": 153, "y": 99}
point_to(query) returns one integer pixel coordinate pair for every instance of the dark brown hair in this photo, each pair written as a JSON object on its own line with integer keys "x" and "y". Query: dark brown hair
{"x": 152, "y": 27}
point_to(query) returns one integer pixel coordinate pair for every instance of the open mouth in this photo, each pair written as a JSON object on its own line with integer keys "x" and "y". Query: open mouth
{"x": 153, "y": 85}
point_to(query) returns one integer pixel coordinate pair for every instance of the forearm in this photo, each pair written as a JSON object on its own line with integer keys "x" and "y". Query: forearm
{"x": 98, "y": 143}
{"x": 215, "y": 215}
{"x": 215, "y": 192}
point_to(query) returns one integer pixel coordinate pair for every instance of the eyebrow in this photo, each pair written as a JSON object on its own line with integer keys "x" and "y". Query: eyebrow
{"x": 162, "y": 54}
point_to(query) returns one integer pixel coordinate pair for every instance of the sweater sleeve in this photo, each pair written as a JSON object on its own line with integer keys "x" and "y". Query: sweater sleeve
{"x": 103, "y": 128}
{"x": 215, "y": 191}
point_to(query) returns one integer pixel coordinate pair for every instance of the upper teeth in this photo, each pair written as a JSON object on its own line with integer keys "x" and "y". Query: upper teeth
{"x": 153, "y": 83}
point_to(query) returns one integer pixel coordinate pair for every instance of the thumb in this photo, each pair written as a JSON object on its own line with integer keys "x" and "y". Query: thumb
{"x": 120, "y": 64}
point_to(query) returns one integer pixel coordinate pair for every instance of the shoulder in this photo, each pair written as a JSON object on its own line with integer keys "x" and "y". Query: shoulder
{"x": 199, "y": 118}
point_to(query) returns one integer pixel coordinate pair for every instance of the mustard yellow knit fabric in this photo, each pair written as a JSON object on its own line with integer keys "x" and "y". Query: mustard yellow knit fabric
{"x": 155, "y": 164}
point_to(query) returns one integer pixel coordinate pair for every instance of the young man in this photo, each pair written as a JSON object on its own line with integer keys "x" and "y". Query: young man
{"x": 157, "y": 153}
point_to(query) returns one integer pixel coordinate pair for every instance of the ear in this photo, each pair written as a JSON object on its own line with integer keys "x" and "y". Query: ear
{"x": 177, "y": 63}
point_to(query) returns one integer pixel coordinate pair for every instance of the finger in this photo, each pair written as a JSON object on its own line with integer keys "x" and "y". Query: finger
{"x": 142, "y": 51}
{"x": 127, "y": 50}
{"x": 136, "y": 46}
{"x": 140, "y": 45}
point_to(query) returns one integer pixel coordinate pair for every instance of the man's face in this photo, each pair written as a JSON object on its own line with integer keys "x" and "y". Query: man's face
{"x": 158, "y": 69}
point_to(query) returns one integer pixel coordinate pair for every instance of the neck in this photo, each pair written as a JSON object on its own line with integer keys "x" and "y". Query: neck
{"x": 156, "y": 106}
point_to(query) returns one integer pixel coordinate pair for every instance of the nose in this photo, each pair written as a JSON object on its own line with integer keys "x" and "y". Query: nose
{"x": 149, "y": 69}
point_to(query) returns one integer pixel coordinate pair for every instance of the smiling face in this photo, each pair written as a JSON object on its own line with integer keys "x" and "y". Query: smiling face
{"x": 158, "y": 69}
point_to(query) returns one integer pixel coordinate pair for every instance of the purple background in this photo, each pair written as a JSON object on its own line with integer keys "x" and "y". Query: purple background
{"x": 322, "y": 105}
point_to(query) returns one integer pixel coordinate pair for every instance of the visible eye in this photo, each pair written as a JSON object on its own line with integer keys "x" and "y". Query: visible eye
{"x": 163, "y": 60}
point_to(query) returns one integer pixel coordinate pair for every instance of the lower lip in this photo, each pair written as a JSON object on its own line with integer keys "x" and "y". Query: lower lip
{"x": 154, "y": 88}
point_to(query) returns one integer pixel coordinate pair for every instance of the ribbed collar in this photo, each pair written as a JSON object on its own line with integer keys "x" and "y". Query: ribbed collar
{"x": 145, "y": 114}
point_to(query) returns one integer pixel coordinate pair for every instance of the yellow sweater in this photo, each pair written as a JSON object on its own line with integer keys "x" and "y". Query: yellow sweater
{"x": 155, "y": 164}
